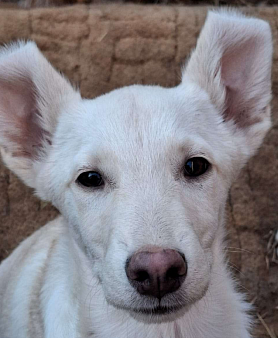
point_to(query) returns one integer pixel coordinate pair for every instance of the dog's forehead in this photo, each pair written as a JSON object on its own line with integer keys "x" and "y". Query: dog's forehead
{"x": 145, "y": 114}
{"x": 141, "y": 124}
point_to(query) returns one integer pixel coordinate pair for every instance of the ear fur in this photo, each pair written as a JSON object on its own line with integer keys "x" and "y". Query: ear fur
{"x": 232, "y": 63}
{"x": 32, "y": 94}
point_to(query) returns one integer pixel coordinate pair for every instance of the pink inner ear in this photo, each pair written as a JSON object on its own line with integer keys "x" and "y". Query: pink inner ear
{"x": 238, "y": 68}
{"x": 19, "y": 117}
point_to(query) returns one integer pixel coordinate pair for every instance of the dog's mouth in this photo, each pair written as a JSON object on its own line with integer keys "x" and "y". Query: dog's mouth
{"x": 158, "y": 314}
{"x": 159, "y": 310}
{"x": 155, "y": 313}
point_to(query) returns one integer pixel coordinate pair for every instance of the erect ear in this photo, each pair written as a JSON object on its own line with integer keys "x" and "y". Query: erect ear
{"x": 232, "y": 63}
{"x": 32, "y": 94}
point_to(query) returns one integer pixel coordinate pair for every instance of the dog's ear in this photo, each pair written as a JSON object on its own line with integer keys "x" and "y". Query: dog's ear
{"x": 232, "y": 63}
{"x": 32, "y": 93}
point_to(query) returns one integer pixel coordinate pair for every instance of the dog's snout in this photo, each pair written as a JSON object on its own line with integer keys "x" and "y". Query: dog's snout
{"x": 156, "y": 272}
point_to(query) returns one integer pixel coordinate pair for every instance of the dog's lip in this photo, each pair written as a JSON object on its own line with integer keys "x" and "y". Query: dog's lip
{"x": 158, "y": 310}
{"x": 152, "y": 310}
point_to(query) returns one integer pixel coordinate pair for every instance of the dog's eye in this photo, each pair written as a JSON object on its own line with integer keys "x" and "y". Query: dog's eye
{"x": 196, "y": 166}
{"x": 90, "y": 179}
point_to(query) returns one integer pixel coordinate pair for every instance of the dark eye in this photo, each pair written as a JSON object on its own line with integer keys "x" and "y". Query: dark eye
{"x": 196, "y": 166}
{"x": 90, "y": 179}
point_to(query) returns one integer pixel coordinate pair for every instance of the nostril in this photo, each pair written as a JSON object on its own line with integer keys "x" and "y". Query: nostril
{"x": 182, "y": 255}
{"x": 135, "y": 273}
{"x": 142, "y": 276}
{"x": 173, "y": 273}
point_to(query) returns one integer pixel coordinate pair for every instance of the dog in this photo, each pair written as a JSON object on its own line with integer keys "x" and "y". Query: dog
{"x": 141, "y": 177}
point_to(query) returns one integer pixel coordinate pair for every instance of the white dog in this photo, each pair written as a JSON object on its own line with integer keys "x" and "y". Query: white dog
{"x": 141, "y": 178}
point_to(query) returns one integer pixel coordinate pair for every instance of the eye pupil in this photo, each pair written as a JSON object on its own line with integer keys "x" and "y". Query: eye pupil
{"x": 196, "y": 166}
{"x": 90, "y": 179}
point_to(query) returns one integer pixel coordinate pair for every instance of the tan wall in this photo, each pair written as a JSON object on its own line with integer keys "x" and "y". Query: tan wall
{"x": 104, "y": 47}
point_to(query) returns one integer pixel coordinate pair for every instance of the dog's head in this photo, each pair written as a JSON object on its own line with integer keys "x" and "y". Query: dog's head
{"x": 142, "y": 174}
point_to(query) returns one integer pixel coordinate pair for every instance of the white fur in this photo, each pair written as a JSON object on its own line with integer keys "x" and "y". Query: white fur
{"x": 68, "y": 279}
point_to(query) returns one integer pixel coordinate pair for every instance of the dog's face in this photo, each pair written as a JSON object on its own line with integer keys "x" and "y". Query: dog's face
{"x": 141, "y": 140}
{"x": 142, "y": 174}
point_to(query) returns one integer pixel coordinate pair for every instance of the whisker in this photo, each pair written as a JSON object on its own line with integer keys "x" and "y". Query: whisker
{"x": 234, "y": 267}
{"x": 239, "y": 250}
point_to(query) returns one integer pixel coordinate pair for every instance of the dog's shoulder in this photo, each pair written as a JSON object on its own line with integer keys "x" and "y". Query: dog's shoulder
{"x": 24, "y": 268}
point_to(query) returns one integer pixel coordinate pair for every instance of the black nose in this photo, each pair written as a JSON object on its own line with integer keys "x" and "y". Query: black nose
{"x": 157, "y": 271}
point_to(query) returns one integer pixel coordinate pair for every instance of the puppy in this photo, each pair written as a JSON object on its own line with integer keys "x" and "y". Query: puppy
{"x": 141, "y": 177}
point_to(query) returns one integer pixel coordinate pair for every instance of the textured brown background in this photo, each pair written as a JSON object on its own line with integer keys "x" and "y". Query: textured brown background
{"x": 104, "y": 47}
